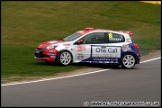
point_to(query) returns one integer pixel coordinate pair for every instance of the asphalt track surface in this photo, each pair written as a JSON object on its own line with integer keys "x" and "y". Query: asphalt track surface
{"x": 141, "y": 84}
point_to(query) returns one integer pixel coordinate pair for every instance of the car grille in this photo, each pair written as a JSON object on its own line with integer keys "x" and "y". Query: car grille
{"x": 39, "y": 53}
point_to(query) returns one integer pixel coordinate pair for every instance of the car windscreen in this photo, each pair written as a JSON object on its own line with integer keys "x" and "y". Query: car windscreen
{"x": 72, "y": 37}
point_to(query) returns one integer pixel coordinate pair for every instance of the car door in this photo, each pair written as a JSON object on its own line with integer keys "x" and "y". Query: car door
{"x": 115, "y": 42}
{"x": 86, "y": 51}
{"x": 82, "y": 49}
{"x": 108, "y": 50}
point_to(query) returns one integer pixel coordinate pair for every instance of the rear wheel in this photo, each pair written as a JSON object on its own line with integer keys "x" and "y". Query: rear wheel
{"x": 128, "y": 61}
{"x": 64, "y": 58}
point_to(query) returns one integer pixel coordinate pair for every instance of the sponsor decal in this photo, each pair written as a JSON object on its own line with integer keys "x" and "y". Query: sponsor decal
{"x": 105, "y": 59}
{"x": 112, "y": 38}
{"x": 52, "y": 51}
{"x": 37, "y": 51}
{"x": 116, "y": 39}
{"x": 51, "y": 42}
{"x": 66, "y": 44}
{"x": 53, "y": 56}
{"x": 128, "y": 40}
{"x": 81, "y": 48}
{"x": 80, "y": 57}
{"x": 126, "y": 47}
{"x": 106, "y": 52}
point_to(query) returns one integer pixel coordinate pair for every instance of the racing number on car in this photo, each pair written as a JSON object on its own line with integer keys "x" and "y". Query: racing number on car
{"x": 110, "y": 35}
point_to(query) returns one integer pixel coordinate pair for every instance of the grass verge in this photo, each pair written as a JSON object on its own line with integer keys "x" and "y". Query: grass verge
{"x": 25, "y": 24}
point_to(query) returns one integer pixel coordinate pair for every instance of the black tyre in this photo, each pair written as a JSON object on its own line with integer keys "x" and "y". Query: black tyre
{"x": 64, "y": 58}
{"x": 128, "y": 61}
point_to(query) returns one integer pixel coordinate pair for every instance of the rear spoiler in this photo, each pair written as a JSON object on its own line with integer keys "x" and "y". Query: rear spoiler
{"x": 129, "y": 33}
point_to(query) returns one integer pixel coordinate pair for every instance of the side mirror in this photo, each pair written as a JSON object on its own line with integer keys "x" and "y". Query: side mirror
{"x": 79, "y": 41}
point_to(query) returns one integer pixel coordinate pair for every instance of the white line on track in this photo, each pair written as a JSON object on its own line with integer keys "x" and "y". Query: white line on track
{"x": 46, "y": 79}
{"x": 151, "y": 59}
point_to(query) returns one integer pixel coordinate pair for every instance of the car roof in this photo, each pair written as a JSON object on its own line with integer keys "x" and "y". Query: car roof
{"x": 91, "y": 29}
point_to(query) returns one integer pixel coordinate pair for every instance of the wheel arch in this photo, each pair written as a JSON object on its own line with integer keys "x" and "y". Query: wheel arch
{"x": 131, "y": 53}
{"x": 64, "y": 51}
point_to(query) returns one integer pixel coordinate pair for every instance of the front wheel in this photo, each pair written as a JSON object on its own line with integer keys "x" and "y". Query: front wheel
{"x": 64, "y": 58}
{"x": 128, "y": 61}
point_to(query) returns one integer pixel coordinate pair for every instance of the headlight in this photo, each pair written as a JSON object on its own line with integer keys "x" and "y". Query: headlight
{"x": 52, "y": 46}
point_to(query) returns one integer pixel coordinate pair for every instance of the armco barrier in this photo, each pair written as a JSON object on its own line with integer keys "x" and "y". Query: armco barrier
{"x": 152, "y": 2}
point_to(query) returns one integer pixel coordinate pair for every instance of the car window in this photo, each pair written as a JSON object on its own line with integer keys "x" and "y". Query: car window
{"x": 115, "y": 38}
{"x": 72, "y": 37}
{"x": 95, "y": 38}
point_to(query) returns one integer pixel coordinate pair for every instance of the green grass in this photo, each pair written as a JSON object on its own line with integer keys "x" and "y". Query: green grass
{"x": 26, "y": 24}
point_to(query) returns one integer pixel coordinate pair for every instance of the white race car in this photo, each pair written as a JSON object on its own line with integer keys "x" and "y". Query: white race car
{"x": 92, "y": 46}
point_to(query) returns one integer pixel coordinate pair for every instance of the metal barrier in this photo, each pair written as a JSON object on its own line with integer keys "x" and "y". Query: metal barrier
{"x": 152, "y": 2}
